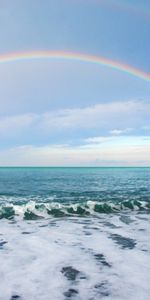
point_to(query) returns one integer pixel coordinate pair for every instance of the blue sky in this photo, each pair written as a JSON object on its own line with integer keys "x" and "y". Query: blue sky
{"x": 67, "y": 112}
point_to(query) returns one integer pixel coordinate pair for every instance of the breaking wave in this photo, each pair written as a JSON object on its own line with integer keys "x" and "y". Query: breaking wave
{"x": 34, "y": 210}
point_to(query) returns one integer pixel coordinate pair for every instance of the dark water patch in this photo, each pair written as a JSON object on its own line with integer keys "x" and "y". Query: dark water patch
{"x": 125, "y": 243}
{"x": 141, "y": 218}
{"x": 95, "y": 228}
{"x": 144, "y": 250}
{"x": 70, "y": 273}
{"x": 82, "y": 276}
{"x": 53, "y": 224}
{"x": 41, "y": 226}
{"x": 79, "y": 221}
{"x": 78, "y": 211}
{"x": 12, "y": 222}
{"x": 89, "y": 227}
{"x": 103, "y": 208}
{"x": 102, "y": 289}
{"x": 111, "y": 225}
{"x": 87, "y": 233}
{"x": 86, "y": 221}
{"x": 86, "y": 227}
{"x": 126, "y": 219}
{"x": 56, "y": 212}
{"x": 26, "y": 232}
{"x": 14, "y": 297}
{"x": 101, "y": 258}
{"x": 56, "y": 242}
{"x": 83, "y": 248}
{"x": 7, "y": 212}
{"x": 71, "y": 293}
{"x": 29, "y": 215}
{"x": 2, "y": 243}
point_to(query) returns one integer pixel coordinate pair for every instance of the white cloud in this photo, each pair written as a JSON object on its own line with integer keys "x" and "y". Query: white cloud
{"x": 16, "y": 124}
{"x": 115, "y": 151}
{"x": 123, "y": 116}
{"x": 105, "y": 116}
{"x": 109, "y": 146}
{"x": 120, "y": 131}
{"x": 114, "y": 139}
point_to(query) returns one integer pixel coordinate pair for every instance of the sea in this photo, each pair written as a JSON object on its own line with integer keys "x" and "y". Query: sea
{"x": 74, "y": 233}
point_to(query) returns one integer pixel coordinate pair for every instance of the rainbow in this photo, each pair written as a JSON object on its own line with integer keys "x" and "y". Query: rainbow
{"x": 73, "y": 56}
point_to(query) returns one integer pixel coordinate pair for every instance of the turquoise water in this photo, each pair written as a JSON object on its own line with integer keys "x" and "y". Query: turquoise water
{"x": 74, "y": 233}
{"x": 89, "y": 189}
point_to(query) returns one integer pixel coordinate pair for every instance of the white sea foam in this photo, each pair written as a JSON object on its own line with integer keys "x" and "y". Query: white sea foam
{"x": 111, "y": 254}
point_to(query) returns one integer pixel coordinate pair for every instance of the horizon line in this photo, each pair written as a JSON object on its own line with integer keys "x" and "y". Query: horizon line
{"x": 74, "y": 166}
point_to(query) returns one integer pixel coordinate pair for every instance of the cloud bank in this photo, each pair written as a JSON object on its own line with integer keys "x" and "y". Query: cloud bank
{"x": 104, "y": 134}
{"x": 100, "y": 151}
{"x": 115, "y": 118}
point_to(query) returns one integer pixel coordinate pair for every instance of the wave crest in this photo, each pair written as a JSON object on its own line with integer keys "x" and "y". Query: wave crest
{"x": 34, "y": 210}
